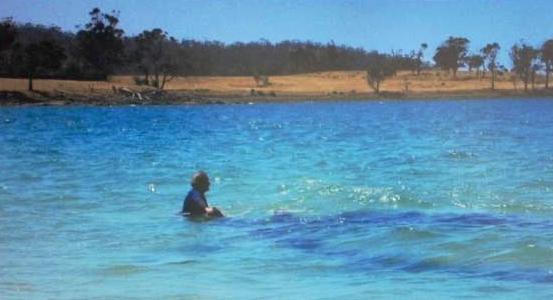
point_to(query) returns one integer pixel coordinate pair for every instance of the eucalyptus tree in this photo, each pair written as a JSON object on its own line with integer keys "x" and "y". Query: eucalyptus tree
{"x": 451, "y": 54}
{"x": 8, "y": 34}
{"x": 474, "y": 61}
{"x": 419, "y": 56}
{"x": 156, "y": 54}
{"x": 380, "y": 67}
{"x": 547, "y": 59}
{"x": 489, "y": 53}
{"x": 100, "y": 44}
{"x": 523, "y": 57}
{"x": 43, "y": 56}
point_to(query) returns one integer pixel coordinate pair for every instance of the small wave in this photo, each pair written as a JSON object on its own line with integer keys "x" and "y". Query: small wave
{"x": 306, "y": 244}
{"x": 540, "y": 184}
{"x": 494, "y": 289}
{"x": 460, "y": 155}
{"x": 529, "y": 253}
{"x": 428, "y": 264}
{"x": 182, "y": 262}
{"x": 17, "y": 286}
{"x": 414, "y": 233}
{"x": 529, "y": 207}
{"x": 124, "y": 270}
{"x": 471, "y": 220}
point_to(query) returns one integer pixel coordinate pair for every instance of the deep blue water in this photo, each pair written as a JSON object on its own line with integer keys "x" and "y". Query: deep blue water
{"x": 385, "y": 200}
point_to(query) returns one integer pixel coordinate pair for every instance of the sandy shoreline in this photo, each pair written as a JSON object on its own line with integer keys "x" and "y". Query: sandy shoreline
{"x": 321, "y": 86}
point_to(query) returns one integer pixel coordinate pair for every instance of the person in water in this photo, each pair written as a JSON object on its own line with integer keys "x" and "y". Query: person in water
{"x": 195, "y": 203}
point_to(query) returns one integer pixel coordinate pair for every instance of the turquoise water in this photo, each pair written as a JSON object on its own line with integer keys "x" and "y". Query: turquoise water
{"x": 393, "y": 200}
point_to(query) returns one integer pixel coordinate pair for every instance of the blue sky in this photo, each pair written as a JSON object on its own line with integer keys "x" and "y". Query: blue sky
{"x": 373, "y": 25}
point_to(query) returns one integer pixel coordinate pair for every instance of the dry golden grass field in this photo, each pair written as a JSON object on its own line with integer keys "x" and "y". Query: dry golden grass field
{"x": 312, "y": 84}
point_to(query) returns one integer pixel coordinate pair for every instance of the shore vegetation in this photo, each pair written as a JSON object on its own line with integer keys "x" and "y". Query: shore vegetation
{"x": 101, "y": 58}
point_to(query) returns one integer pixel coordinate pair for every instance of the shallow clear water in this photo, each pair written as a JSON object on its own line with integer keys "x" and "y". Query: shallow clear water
{"x": 418, "y": 199}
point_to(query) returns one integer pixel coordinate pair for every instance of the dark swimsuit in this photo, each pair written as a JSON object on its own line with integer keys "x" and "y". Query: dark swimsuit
{"x": 194, "y": 203}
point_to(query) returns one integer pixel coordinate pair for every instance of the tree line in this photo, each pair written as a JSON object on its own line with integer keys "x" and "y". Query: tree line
{"x": 527, "y": 62}
{"x": 100, "y": 48}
